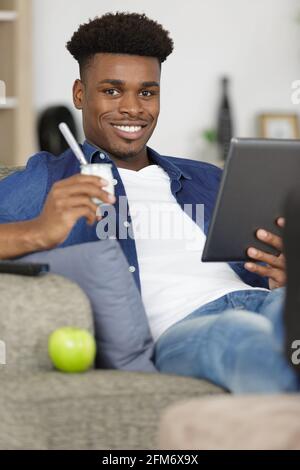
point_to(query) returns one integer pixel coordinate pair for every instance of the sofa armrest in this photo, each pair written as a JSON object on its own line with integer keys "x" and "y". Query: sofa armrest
{"x": 98, "y": 409}
{"x": 30, "y": 309}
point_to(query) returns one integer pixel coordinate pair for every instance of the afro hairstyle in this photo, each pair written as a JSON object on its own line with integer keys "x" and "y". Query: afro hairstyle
{"x": 120, "y": 33}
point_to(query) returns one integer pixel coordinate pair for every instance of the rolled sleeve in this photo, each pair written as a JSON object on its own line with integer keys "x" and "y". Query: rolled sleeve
{"x": 22, "y": 193}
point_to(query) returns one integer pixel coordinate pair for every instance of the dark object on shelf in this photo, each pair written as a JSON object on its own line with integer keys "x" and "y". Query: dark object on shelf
{"x": 224, "y": 124}
{"x": 50, "y": 138}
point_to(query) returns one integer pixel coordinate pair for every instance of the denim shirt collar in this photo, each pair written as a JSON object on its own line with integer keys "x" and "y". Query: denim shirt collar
{"x": 95, "y": 154}
{"x": 171, "y": 168}
{"x": 92, "y": 153}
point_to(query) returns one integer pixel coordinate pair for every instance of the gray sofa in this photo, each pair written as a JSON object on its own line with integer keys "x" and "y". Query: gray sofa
{"x": 41, "y": 408}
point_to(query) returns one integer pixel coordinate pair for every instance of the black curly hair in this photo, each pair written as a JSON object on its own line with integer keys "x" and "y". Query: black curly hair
{"x": 120, "y": 33}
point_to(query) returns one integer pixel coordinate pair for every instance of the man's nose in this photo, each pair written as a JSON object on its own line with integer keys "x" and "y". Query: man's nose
{"x": 130, "y": 104}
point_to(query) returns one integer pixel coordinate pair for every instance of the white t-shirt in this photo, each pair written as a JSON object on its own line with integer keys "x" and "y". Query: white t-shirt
{"x": 169, "y": 244}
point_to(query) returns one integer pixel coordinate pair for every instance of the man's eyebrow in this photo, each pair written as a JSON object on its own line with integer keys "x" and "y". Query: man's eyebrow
{"x": 148, "y": 84}
{"x": 116, "y": 82}
{"x": 111, "y": 81}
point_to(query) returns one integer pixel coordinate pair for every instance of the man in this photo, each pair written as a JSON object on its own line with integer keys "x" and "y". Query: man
{"x": 194, "y": 308}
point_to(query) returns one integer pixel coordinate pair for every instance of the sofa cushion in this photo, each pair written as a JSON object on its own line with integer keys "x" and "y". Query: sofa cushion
{"x": 100, "y": 268}
{"x": 100, "y": 409}
{"x": 247, "y": 422}
{"x": 30, "y": 308}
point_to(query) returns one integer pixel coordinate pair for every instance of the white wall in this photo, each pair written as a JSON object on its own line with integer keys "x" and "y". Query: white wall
{"x": 256, "y": 42}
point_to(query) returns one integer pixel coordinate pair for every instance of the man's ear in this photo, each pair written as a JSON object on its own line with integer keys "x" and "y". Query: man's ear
{"x": 78, "y": 92}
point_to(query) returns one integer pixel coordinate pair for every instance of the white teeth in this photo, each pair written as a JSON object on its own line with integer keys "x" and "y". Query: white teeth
{"x": 129, "y": 128}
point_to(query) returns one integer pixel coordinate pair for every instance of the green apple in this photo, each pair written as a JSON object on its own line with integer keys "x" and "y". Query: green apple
{"x": 72, "y": 349}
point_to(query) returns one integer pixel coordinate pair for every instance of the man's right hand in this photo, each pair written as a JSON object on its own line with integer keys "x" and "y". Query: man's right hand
{"x": 68, "y": 201}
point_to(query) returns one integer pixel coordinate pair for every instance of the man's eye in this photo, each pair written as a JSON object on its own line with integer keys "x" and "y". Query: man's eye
{"x": 111, "y": 91}
{"x": 146, "y": 93}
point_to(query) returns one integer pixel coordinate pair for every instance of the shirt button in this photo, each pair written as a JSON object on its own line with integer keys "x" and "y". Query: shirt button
{"x": 102, "y": 156}
{"x": 126, "y": 224}
{"x": 131, "y": 269}
{"x": 115, "y": 181}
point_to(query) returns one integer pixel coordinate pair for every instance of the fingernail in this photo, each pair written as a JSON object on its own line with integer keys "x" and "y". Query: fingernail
{"x": 249, "y": 266}
{"x": 262, "y": 233}
{"x": 280, "y": 221}
{"x": 252, "y": 252}
{"x": 111, "y": 198}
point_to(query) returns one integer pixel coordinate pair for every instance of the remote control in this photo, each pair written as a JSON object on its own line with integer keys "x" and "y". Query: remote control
{"x": 24, "y": 269}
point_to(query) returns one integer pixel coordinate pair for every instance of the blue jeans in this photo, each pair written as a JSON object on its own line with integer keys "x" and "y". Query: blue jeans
{"x": 235, "y": 341}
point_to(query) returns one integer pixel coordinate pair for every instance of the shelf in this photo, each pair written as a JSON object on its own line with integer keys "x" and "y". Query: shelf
{"x": 16, "y": 114}
{"x": 8, "y": 15}
{"x": 9, "y": 103}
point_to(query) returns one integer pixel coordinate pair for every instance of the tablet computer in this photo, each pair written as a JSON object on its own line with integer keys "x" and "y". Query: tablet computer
{"x": 258, "y": 175}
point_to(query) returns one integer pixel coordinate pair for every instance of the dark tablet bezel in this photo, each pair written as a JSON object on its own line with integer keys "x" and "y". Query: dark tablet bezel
{"x": 222, "y": 243}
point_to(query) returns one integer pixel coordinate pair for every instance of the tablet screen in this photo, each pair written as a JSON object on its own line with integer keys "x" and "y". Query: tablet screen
{"x": 258, "y": 175}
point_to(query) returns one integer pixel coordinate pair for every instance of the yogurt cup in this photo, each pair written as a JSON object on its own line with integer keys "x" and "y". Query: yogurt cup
{"x": 100, "y": 169}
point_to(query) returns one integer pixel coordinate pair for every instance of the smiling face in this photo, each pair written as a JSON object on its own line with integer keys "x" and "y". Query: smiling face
{"x": 119, "y": 98}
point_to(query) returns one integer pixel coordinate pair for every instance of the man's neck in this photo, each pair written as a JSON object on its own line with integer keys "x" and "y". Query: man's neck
{"x": 134, "y": 163}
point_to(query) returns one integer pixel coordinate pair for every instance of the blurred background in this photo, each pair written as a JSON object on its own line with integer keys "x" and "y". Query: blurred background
{"x": 254, "y": 44}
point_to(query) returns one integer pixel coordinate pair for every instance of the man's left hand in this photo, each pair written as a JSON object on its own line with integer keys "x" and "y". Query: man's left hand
{"x": 275, "y": 268}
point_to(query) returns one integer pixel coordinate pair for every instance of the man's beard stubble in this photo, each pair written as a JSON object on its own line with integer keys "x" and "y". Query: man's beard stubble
{"x": 126, "y": 155}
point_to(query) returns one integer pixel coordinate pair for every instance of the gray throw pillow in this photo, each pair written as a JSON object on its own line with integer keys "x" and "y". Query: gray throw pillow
{"x": 122, "y": 332}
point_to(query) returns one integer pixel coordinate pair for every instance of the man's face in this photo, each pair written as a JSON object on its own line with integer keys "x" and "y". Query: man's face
{"x": 119, "y": 98}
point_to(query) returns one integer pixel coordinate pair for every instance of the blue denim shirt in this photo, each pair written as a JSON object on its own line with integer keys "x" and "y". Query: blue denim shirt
{"x": 23, "y": 194}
